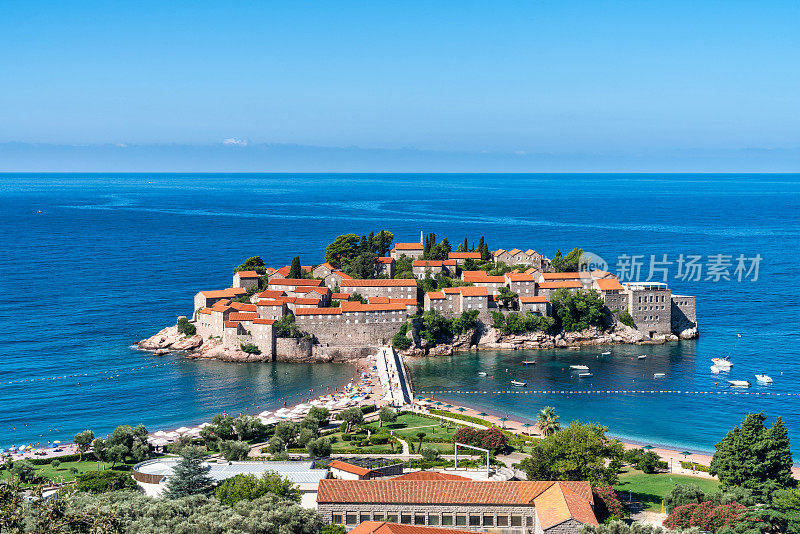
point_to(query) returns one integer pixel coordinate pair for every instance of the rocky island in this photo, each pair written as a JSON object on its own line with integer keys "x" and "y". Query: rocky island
{"x": 423, "y": 298}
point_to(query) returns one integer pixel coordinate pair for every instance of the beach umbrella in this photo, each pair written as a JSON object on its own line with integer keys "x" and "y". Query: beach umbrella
{"x": 527, "y": 425}
{"x": 483, "y": 414}
{"x": 686, "y": 453}
{"x": 438, "y": 403}
{"x": 648, "y": 447}
{"x": 504, "y": 419}
{"x": 448, "y": 405}
{"x": 57, "y": 442}
{"x": 461, "y": 409}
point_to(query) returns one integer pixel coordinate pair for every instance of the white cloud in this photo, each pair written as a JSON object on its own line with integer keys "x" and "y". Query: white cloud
{"x": 234, "y": 141}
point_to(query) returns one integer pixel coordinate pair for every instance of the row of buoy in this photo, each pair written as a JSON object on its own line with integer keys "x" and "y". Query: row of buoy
{"x": 78, "y": 375}
{"x": 608, "y": 392}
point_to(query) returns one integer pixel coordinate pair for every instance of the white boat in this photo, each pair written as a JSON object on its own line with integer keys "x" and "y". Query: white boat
{"x": 764, "y": 379}
{"x": 519, "y": 383}
{"x": 585, "y": 375}
{"x": 659, "y": 375}
{"x": 482, "y": 373}
{"x": 715, "y": 369}
{"x": 641, "y": 357}
{"x": 579, "y": 367}
{"x": 722, "y": 363}
{"x": 529, "y": 362}
{"x": 739, "y": 383}
{"x": 606, "y": 353}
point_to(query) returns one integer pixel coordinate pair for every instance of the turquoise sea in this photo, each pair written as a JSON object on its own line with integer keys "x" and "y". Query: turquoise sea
{"x": 112, "y": 258}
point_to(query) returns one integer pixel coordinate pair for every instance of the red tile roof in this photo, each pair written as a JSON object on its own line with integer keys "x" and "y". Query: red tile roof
{"x": 349, "y": 468}
{"x": 271, "y": 294}
{"x": 498, "y": 252}
{"x": 248, "y": 274}
{"x": 263, "y": 321}
{"x": 205, "y": 311}
{"x": 404, "y": 302}
{"x": 530, "y": 252}
{"x": 231, "y": 324}
{"x": 284, "y": 271}
{"x": 435, "y": 295}
{"x": 239, "y": 316}
{"x": 379, "y": 282}
{"x": 464, "y": 255}
{"x": 429, "y": 475}
{"x": 270, "y": 303}
{"x": 340, "y": 296}
{"x": 378, "y": 300}
{"x": 224, "y": 293}
{"x": 379, "y": 527}
{"x": 427, "y": 263}
{"x": 559, "y": 503}
{"x": 241, "y": 306}
{"x": 467, "y": 291}
{"x": 520, "y": 277}
{"x": 348, "y": 306}
{"x": 538, "y": 298}
{"x": 341, "y": 275}
{"x": 407, "y": 246}
{"x": 560, "y": 284}
{"x": 463, "y": 492}
{"x": 318, "y": 311}
{"x": 609, "y": 284}
{"x": 294, "y": 282}
{"x": 307, "y": 302}
{"x": 307, "y": 289}
{"x": 481, "y": 277}
{"x": 562, "y": 276}
{"x": 384, "y": 260}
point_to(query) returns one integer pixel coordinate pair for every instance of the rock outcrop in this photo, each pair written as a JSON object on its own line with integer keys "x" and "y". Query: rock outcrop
{"x": 168, "y": 340}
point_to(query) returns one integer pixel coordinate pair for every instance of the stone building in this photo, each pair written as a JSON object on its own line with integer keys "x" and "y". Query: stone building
{"x": 650, "y": 305}
{"x": 401, "y": 288}
{"x": 271, "y": 309}
{"x": 385, "y": 266}
{"x": 537, "y": 304}
{"x": 246, "y": 279}
{"x": 431, "y": 268}
{"x": 452, "y": 301}
{"x": 612, "y": 293}
{"x": 206, "y": 299}
{"x": 289, "y": 284}
{"x": 522, "y": 284}
{"x": 323, "y": 269}
{"x": 684, "y": 313}
{"x": 461, "y": 257}
{"x": 353, "y": 324}
{"x": 334, "y": 280}
{"x": 547, "y": 289}
{"x": 516, "y": 507}
{"x": 482, "y": 279}
{"x": 346, "y": 471}
{"x": 516, "y": 256}
{"x": 411, "y": 250}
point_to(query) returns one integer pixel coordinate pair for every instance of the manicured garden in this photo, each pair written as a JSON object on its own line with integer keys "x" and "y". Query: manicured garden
{"x": 651, "y": 489}
{"x": 67, "y": 471}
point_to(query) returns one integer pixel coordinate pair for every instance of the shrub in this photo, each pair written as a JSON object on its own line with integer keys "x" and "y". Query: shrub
{"x": 320, "y": 447}
{"x": 649, "y": 462}
{"x": 401, "y": 342}
{"x": 250, "y": 487}
{"x": 249, "y": 348}
{"x": 429, "y": 454}
{"x": 705, "y": 516}
{"x": 607, "y": 505}
{"x": 234, "y": 450}
{"x": 379, "y": 439}
{"x": 104, "y": 481}
{"x": 185, "y": 327}
{"x": 626, "y": 319}
{"x": 55, "y": 463}
{"x": 683, "y": 494}
{"x": 697, "y": 467}
{"x": 368, "y": 409}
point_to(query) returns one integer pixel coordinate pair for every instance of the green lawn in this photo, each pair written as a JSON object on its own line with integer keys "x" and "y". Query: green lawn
{"x": 407, "y": 426}
{"x": 63, "y": 471}
{"x": 651, "y": 489}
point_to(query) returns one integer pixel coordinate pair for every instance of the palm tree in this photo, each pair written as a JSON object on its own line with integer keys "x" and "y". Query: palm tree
{"x": 548, "y": 421}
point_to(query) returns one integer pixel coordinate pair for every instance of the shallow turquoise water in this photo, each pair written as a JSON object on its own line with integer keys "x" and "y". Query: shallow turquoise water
{"x": 114, "y": 258}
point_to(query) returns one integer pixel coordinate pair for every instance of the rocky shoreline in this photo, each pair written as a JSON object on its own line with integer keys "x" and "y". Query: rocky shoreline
{"x": 170, "y": 340}
{"x": 487, "y": 337}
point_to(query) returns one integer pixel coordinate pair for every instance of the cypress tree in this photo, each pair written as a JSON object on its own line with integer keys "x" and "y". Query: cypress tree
{"x": 466, "y": 245}
{"x": 480, "y": 247}
{"x": 295, "y": 271}
{"x": 189, "y": 476}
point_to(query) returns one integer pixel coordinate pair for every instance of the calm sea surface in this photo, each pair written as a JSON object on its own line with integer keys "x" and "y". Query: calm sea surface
{"x": 113, "y": 258}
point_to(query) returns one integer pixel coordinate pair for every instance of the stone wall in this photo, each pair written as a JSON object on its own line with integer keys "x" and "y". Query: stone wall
{"x": 651, "y": 310}
{"x": 288, "y": 349}
{"x": 684, "y": 313}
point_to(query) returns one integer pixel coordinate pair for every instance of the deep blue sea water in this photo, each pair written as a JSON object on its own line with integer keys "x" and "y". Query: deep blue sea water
{"x": 113, "y": 258}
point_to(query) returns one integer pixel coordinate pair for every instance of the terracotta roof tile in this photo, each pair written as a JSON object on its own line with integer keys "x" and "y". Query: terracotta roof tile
{"x": 464, "y": 255}
{"x": 349, "y": 468}
{"x": 559, "y": 284}
{"x": 379, "y": 282}
{"x": 538, "y": 298}
{"x": 467, "y": 291}
{"x": 231, "y": 324}
{"x": 378, "y": 300}
{"x": 435, "y": 295}
{"x": 263, "y": 321}
{"x": 407, "y": 246}
{"x": 340, "y": 296}
{"x": 271, "y": 294}
{"x": 241, "y": 306}
{"x": 429, "y": 475}
{"x": 481, "y": 277}
{"x": 559, "y": 503}
{"x": 561, "y": 276}
{"x": 224, "y": 293}
{"x": 270, "y": 303}
{"x": 520, "y": 277}
{"x": 205, "y": 311}
{"x": 294, "y": 282}
{"x": 248, "y": 274}
{"x": 384, "y": 260}
{"x": 318, "y": 311}
{"x": 609, "y": 284}
{"x": 348, "y": 306}
{"x": 307, "y": 302}
{"x": 379, "y": 527}
{"x": 240, "y": 316}
{"x": 514, "y": 251}
{"x": 498, "y": 252}
{"x": 427, "y": 263}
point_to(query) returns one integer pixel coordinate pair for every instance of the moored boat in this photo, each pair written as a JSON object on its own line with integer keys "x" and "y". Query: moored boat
{"x": 764, "y": 379}
{"x": 607, "y": 353}
{"x": 529, "y": 362}
{"x": 519, "y": 383}
{"x": 659, "y": 375}
{"x": 722, "y": 363}
{"x": 641, "y": 357}
{"x": 579, "y": 367}
{"x": 715, "y": 369}
{"x": 739, "y": 383}
{"x": 585, "y": 375}
{"x": 482, "y": 373}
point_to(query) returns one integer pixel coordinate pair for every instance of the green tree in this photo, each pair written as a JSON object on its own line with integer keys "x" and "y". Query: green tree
{"x": 755, "y": 457}
{"x": 319, "y": 448}
{"x": 287, "y": 431}
{"x": 547, "y": 421}
{"x": 567, "y": 264}
{"x": 429, "y": 454}
{"x": 276, "y": 445}
{"x": 578, "y": 311}
{"x": 318, "y": 416}
{"x": 621, "y": 527}
{"x": 24, "y": 470}
{"x": 626, "y": 318}
{"x": 254, "y": 263}
{"x": 333, "y": 529}
{"x": 250, "y": 487}
{"x": 362, "y": 266}
{"x": 189, "y": 476}
{"x": 185, "y": 327}
{"x": 83, "y": 440}
{"x": 352, "y": 416}
{"x": 295, "y": 271}
{"x": 387, "y": 414}
{"x": 506, "y": 296}
{"x": 341, "y": 250}
{"x": 104, "y": 481}
{"x": 420, "y": 436}
{"x": 577, "y": 452}
{"x": 286, "y": 327}
{"x": 234, "y": 450}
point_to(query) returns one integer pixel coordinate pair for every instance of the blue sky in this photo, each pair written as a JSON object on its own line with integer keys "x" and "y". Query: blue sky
{"x": 518, "y": 78}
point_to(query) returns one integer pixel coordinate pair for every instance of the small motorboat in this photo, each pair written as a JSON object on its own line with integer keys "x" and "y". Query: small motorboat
{"x": 659, "y": 375}
{"x": 722, "y": 363}
{"x": 519, "y": 383}
{"x": 715, "y": 369}
{"x": 739, "y": 383}
{"x": 641, "y": 357}
{"x": 529, "y": 362}
{"x": 764, "y": 379}
{"x": 585, "y": 375}
{"x": 579, "y": 367}
{"x": 608, "y": 353}
{"x": 482, "y": 373}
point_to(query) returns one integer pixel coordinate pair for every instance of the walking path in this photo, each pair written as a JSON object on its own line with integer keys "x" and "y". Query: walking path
{"x": 392, "y": 374}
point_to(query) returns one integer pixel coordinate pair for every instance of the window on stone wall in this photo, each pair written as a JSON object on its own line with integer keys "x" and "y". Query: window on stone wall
{"x": 529, "y": 521}
{"x": 447, "y": 520}
{"x": 336, "y": 519}
{"x": 392, "y": 517}
{"x": 516, "y": 520}
{"x": 363, "y": 516}
{"x": 433, "y": 519}
{"x": 474, "y": 520}
{"x": 419, "y": 519}
{"x": 377, "y": 516}
{"x": 502, "y": 520}
{"x": 488, "y": 521}
{"x": 461, "y": 520}
{"x": 405, "y": 518}
{"x": 351, "y": 519}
